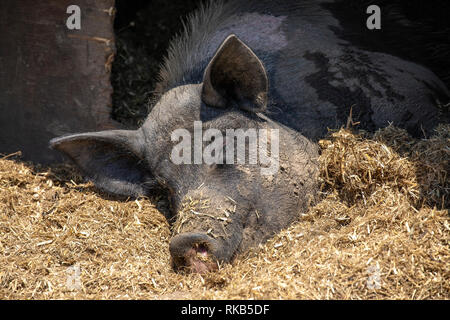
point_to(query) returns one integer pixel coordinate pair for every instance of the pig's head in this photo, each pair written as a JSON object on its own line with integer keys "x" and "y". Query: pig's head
{"x": 222, "y": 203}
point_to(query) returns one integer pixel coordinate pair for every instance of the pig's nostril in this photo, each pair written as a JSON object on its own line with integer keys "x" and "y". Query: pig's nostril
{"x": 201, "y": 248}
{"x": 200, "y": 252}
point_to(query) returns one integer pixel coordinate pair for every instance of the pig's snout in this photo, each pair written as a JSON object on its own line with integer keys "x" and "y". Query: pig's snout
{"x": 194, "y": 252}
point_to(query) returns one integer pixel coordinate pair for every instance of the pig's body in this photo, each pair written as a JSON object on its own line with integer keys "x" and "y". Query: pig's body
{"x": 284, "y": 67}
{"x": 315, "y": 76}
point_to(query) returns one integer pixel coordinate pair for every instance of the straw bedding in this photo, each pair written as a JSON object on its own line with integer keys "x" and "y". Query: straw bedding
{"x": 381, "y": 231}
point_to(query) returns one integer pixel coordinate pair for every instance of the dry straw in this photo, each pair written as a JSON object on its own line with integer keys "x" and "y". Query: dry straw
{"x": 381, "y": 231}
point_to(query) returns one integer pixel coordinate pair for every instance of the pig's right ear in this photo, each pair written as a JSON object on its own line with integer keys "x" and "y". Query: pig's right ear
{"x": 235, "y": 75}
{"x": 112, "y": 159}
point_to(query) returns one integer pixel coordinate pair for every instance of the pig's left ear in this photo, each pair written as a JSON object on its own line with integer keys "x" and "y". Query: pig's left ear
{"x": 112, "y": 159}
{"x": 235, "y": 75}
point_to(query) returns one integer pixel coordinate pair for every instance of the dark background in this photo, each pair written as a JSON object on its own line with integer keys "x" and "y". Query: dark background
{"x": 143, "y": 30}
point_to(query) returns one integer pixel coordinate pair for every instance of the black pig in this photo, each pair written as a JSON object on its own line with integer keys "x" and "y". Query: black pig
{"x": 275, "y": 65}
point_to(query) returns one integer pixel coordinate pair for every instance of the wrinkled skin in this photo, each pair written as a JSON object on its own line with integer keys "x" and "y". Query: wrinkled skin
{"x": 270, "y": 76}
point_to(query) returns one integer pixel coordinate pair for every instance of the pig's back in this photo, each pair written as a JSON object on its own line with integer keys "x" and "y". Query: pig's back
{"x": 315, "y": 76}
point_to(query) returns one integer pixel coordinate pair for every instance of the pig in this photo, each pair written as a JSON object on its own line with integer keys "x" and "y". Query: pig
{"x": 279, "y": 68}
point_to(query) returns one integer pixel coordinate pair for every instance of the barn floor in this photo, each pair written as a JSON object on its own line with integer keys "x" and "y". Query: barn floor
{"x": 381, "y": 231}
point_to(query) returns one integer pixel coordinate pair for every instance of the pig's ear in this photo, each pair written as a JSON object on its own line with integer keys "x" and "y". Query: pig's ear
{"x": 235, "y": 75}
{"x": 111, "y": 159}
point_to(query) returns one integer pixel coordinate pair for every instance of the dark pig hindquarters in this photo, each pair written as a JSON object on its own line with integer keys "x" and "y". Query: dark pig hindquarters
{"x": 257, "y": 65}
